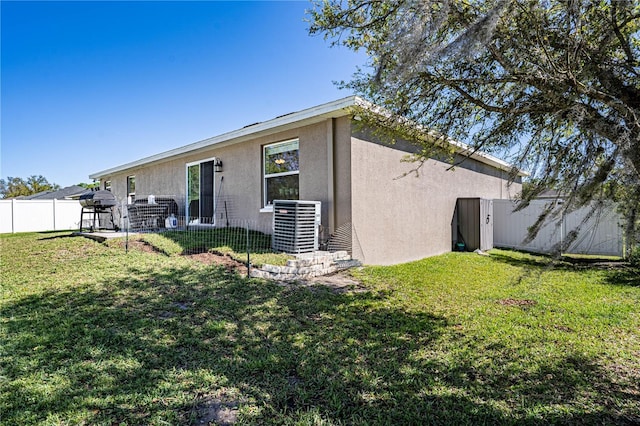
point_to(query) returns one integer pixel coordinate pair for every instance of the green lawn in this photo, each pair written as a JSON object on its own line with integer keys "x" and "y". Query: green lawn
{"x": 91, "y": 335}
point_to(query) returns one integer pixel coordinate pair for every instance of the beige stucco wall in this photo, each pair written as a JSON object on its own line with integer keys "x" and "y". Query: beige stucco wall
{"x": 395, "y": 219}
{"x": 241, "y": 178}
{"x": 398, "y": 219}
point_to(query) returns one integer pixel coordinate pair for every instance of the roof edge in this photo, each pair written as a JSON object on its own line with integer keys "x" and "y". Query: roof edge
{"x": 337, "y": 108}
{"x": 331, "y": 108}
{"x": 483, "y": 157}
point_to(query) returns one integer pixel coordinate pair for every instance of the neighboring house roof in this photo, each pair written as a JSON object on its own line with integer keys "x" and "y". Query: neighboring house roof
{"x": 317, "y": 114}
{"x": 550, "y": 194}
{"x": 70, "y": 192}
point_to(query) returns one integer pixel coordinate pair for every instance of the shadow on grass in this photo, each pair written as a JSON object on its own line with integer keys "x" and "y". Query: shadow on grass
{"x": 57, "y": 236}
{"x": 617, "y": 272}
{"x": 167, "y": 346}
{"x": 626, "y": 276}
{"x": 529, "y": 260}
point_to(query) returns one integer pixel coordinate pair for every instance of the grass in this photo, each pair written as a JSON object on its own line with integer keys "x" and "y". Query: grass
{"x": 91, "y": 335}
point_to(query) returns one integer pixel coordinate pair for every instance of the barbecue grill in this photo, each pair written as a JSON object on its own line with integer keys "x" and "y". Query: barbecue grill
{"x": 99, "y": 205}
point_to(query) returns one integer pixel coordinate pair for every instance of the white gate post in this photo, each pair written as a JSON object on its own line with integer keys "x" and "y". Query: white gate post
{"x": 54, "y": 214}
{"x": 13, "y": 215}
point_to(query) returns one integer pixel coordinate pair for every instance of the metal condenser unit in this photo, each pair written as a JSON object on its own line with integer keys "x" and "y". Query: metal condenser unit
{"x": 296, "y": 226}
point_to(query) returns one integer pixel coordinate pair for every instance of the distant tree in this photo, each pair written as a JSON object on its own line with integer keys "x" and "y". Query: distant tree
{"x": 93, "y": 185}
{"x": 16, "y": 187}
{"x": 552, "y": 86}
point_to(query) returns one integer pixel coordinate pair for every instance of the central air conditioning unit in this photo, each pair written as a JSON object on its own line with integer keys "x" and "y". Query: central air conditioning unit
{"x": 296, "y": 226}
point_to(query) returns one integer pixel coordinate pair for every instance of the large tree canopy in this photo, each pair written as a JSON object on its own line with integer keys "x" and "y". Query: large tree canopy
{"x": 552, "y": 86}
{"x": 15, "y": 186}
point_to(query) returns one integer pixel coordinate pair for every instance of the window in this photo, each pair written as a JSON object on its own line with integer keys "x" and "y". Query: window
{"x": 131, "y": 189}
{"x": 107, "y": 185}
{"x": 200, "y": 191}
{"x": 281, "y": 171}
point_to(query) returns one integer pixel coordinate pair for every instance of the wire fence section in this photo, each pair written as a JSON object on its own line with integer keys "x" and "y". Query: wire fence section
{"x": 239, "y": 239}
{"x": 235, "y": 235}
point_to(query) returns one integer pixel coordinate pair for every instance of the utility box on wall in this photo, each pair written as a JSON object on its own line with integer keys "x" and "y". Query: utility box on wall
{"x": 475, "y": 223}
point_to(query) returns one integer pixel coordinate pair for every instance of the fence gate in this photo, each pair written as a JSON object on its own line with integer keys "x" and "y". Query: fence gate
{"x": 475, "y": 223}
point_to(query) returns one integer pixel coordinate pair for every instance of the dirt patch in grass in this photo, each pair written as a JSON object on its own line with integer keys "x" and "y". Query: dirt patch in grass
{"x": 212, "y": 258}
{"x": 143, "y": 246}
{"x": 517, "y": 302}
{"x": 216, "y": 411}
{"x": 134, "y": 244}
{"x": 563, "y": 328}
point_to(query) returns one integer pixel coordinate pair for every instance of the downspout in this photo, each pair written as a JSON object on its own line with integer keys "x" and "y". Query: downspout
{"x": 187, "y": 213}
{"x": 331, "y": 189}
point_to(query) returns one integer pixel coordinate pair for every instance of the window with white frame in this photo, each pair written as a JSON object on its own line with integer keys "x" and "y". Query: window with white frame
{"x": 281, "y": 170}
{"x": 107, "y": 185}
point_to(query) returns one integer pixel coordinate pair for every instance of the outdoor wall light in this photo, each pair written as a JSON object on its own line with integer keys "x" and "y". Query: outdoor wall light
{"x": 217, "y": 165}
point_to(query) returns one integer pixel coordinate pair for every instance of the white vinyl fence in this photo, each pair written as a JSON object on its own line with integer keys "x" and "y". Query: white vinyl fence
{"x": 38, "y": 215}
{"x": 601, "y": 234}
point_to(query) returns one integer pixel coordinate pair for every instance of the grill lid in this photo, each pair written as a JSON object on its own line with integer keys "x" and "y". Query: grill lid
{"x": 102, "y": 198}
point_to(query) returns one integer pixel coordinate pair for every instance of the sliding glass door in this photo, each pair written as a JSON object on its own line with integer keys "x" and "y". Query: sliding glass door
{"x": 200, "y": 192}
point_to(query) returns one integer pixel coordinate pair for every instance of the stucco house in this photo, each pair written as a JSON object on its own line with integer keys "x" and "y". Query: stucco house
{"x": 320, "y": 154}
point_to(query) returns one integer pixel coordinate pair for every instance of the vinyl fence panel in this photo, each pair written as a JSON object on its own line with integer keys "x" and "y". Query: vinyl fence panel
{"x": 510, "y": 228}
{"x": 33, "y": 215}
{"x": 39, "y": 215}
{"x": 599, "y": 234}
{"x": 6, "y": 216}
{"x": 67, "y": 214}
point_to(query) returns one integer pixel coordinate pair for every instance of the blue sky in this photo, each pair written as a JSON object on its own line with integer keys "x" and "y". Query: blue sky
{"x": 91, "y": 85}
